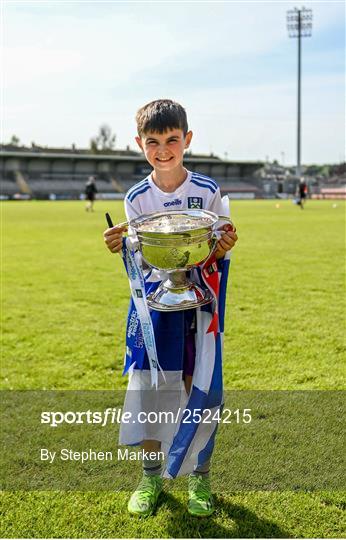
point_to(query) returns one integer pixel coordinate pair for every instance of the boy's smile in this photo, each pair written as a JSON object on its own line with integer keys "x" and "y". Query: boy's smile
{"x": 164, "y": 151}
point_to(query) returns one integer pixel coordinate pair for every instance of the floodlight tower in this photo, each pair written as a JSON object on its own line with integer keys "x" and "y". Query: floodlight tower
{"x": 299, "y": 24}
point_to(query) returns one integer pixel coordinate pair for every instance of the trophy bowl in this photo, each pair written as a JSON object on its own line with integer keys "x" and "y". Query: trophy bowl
{"x": 175, "y": 242}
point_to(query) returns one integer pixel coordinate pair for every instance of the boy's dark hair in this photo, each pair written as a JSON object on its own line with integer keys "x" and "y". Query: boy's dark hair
{"x": 161, "y": 115}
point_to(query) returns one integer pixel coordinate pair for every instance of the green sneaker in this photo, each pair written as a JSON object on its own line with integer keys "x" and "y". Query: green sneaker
{"x": 200, "y": 498}
{"x": 143, "y": 501}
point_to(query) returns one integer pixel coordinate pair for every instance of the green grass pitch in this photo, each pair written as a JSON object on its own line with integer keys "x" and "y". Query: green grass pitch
{"x": 64, "y": 305}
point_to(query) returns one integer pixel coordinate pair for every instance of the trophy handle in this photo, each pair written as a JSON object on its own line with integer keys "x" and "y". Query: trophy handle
{"x": 132, "y": 235}
{"x": 228, "y": 220}
{"x": 217, "y": 234}
{"x": 111, "y": 224}
{"x": 122, "y": 224}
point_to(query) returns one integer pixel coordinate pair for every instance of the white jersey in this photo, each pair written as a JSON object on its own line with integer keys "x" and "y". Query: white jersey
{"x": 197, "y": 191}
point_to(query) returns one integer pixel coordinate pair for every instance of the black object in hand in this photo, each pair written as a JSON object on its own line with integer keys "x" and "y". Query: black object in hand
{"x": 109, "y": 220}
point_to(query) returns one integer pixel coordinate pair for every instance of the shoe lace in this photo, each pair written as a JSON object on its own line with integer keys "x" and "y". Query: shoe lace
{"x": 145, "y": 488}
{"x": 200, "y": 485}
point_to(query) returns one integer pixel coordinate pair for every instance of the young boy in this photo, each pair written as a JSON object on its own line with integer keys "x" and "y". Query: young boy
{"x": 163, "y": 136}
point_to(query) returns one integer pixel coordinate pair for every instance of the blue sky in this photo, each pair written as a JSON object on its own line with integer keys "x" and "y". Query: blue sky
{"x": 71, "y": 66}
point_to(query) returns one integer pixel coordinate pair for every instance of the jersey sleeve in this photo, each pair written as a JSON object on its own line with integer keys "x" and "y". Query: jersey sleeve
{"x": 215, "y": 204}
{"x": 131, "y": 210}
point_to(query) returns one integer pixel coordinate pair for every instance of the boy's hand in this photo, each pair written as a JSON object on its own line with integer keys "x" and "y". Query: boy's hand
{"x": 114, "y": 238}
{"x": 227, "y": 241}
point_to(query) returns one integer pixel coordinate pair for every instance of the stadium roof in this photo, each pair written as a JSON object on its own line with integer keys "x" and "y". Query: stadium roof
{"x": 119, "y": 155}
{"x": 124, "y": 156}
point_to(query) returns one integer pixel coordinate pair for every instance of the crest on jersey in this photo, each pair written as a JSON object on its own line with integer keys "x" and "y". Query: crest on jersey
{"x": 194, "y": 202}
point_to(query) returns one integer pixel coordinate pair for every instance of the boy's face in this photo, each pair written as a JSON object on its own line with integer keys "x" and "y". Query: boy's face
{"x": 164, "y": 151}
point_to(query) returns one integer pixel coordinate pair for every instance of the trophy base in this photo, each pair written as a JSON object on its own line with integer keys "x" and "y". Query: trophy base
{"x": 187, "y": 296}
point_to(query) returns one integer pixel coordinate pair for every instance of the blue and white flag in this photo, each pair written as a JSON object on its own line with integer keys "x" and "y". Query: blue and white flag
{"x": 185, "y": 424}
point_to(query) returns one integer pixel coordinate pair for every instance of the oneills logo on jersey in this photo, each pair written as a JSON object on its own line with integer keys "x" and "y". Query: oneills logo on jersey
{"x": 176, "y": 202}
{"x": 194, "y": 202}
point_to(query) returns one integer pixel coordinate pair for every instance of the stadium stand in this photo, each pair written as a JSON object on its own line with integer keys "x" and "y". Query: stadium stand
{"x": 8, "y": 187}
{"x": 69, "y": 186}
{"x": 243, "y": 188}
{"x": 42, "y": 172}
{"x": 331, "y": 192}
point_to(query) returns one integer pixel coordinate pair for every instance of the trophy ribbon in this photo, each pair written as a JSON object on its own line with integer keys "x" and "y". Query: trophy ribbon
{"x": 136, "y": 278}
{"x": 210, "y": 275}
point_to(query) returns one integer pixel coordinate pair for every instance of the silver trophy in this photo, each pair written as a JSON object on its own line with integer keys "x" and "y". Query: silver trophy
{"x": 175, "y": 242}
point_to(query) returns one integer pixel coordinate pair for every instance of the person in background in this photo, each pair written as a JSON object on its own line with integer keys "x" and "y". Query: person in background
{"x": 90, "y": 192}
{"x": 302, "y": 193}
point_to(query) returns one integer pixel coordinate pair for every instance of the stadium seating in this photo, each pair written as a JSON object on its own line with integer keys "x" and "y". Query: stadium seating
{"x": 72, "y": 186}
{"x": 8, "y": 187}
